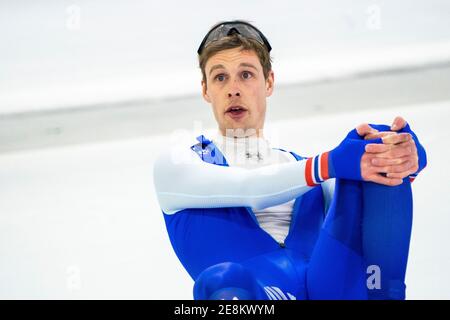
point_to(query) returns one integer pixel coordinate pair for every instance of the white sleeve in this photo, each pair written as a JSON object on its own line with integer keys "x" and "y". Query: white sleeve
{"x": 182, "y": 180}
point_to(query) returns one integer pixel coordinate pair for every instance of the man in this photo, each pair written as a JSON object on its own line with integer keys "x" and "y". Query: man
{"x": 249, "y": 221}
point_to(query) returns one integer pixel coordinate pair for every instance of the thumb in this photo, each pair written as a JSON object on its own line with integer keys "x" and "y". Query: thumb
{"x": 364, "y": 129}
{"x": 376, "y": 135}
{"x": 398, "y": 123}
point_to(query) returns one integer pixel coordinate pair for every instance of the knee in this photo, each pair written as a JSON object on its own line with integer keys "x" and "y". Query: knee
{"x": 227, "y": 278}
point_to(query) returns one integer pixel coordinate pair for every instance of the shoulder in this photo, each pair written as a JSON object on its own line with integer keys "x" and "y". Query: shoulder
{"x": 172, "y": 159}
{"x": 176, "y": 154}
{"x": 289, "y": 155}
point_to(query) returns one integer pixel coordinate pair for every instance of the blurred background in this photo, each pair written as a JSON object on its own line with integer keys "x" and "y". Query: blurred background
{"x": 92, "y": 91}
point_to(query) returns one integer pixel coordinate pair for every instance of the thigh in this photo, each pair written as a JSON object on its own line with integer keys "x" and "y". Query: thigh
{"x": 337, "y": 267}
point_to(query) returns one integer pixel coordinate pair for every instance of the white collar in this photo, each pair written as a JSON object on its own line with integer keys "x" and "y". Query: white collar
{"x": 256, "y": 148}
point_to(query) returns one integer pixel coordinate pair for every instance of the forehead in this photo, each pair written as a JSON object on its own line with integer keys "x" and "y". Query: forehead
{"x": 232, "y": 58}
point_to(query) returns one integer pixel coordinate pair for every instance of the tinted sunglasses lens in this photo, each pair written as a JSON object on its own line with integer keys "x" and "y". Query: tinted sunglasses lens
{"x": 217, "y": 34}
{"x": 249, "y": 32}
{"x": 223, "y": 30}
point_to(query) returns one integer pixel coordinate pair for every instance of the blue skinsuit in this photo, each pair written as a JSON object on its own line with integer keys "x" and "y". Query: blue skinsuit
{"x": 324, "y": 256}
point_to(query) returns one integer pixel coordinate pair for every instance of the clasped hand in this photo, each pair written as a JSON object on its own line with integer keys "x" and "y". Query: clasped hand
{"x": 396, "y": 158}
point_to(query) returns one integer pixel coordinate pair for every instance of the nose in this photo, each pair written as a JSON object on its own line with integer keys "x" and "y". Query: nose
{"x": 234, "y": 89}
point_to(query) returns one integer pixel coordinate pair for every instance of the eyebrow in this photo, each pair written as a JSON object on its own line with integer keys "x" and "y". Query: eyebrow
{"x": 217, "y": 66}
{"x": 249, "y": 65}
{"x": 221, "y": 66}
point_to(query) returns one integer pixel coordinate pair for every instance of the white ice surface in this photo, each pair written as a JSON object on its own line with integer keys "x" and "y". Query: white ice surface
{"x": 83, "y": 221}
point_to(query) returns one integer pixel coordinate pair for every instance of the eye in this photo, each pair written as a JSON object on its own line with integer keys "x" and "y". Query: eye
{"x": 220, "y": 77}
{"x": 246, "y": 75}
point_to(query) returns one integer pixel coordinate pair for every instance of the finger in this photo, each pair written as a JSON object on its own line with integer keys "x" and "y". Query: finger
{"x": 396, "y": 138}
{"x": 386, "y": 181}
{"x": 378, "y": 147}
{"x": 376, "y": 135}
{"x": 406, "y": 166}
{"x": 403, "y": 174}
{"x": 398, "y": 123}
{"x": 382, "y": 162}
{"x": 400, "y": 175}
{"x": 396, "y": 152}
{"x": 364, "y": 129}
{"x": 382, "y": 147}
{"x": 390, "y": 150}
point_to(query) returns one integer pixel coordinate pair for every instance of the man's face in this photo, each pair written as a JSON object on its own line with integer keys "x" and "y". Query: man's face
{"x": 237, "y": 90}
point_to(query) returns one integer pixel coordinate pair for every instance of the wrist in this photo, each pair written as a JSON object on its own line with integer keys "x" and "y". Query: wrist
{"x": 318, "y": 169}
{"x": 345, "y": 159}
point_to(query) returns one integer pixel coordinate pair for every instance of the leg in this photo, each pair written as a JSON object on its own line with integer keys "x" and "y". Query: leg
{"x": 270, "y": 276}
{"x": 227, "y": 281}
{"x": 337, "y": 268}
{"x": 386, "y": 235}
{"x": 364, "y": 218}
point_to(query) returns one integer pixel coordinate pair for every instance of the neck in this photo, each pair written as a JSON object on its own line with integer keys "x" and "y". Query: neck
{"x": 243, "y": 149}
{"x": 242, "y": 133}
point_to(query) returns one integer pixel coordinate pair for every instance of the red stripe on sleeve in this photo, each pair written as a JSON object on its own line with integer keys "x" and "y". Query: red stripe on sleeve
{"x": 308, "y": 173}
{"x": 324, "y": 166}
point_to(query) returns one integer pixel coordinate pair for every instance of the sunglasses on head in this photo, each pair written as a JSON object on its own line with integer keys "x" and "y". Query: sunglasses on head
{"x": 242, "y": 28}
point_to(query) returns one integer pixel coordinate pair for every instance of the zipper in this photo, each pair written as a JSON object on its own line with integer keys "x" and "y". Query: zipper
{"x": 295, "y": 208}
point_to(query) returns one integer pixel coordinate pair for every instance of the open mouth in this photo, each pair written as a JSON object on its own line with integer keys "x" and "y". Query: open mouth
{"x": 236, "y": 111}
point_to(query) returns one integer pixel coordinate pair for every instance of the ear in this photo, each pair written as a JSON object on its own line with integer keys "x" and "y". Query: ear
{"x": 205, "y": 92}
{"x": 270, "y": 83}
